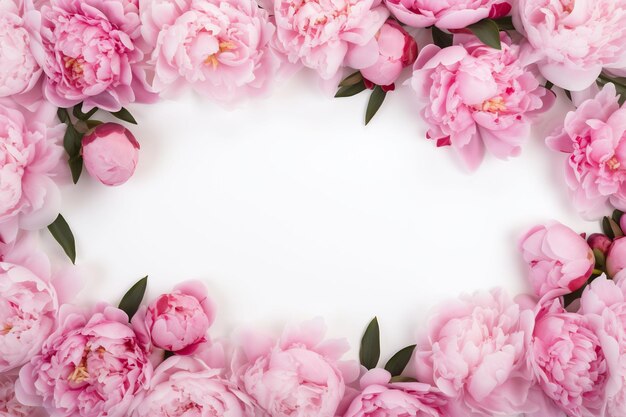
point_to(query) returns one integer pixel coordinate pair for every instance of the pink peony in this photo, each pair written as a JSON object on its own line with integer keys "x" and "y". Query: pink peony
{"x": 184, "y": 386}
{"x": 475, "y": 353}
{"x": 30, "y": 154}
{"x": 380, "y": 398}
{"x": 446, "y": 14}
{"x": 570, "y": 361}
{"x": 299, "y": 375}
{"x": 93, "y": 365}
{"x": 594, "y": 136}
{"x": 560, "y": 260}
{"x": 477, "y": 97}
{"x": 616, "y": 257}
{"x": 572, "y": 40}
{"x": 179, "y": 321}
{"x": 221, "y": 48}
{"x": 382, "y": 60}
{"x": 319, "y": 33}
{"x": 110, "y": 152}
{"x": 9, "y": 405}
{"x": 90, "y": 53}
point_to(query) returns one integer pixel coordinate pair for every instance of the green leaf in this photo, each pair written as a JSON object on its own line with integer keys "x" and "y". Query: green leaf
{"x": 600, "y": 258}
{"x": 168, "y": 354}
{"x": 125, "y": 116}
{"x": 132, "y": 299}
{"x": 505, "y": 23}
{"x": 611, "y": 228}
{"x": 78, "y": 112}
{"x": 369, "y": 353}
{"x": 63, "y": 115}
{"x": 617, "y": 216}
{"x": 76, "y": 167}
{"x": 549, "y": 85}
{"x": 569, "y": 95}
{"x": 351, "y": 79}
{"x": 440, "y": 38}
{"x": 376, "y": 100}
{"x": 72, "y": 141}
{"x": 62, "y": 233}
{"x": 350, "y": 90}
{"x": 399, "y": 361}
{"x": 402, "y": 379}
{"x": 93, "y": 123}
{"x": 488, "y": 32}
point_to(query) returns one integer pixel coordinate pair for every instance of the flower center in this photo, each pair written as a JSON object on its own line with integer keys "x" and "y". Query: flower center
{"x": 81, "y": 373}
{"x": 613, "y": 164}
{"x": 494, "y": 105}
{"x": 75, "y": 67}
{"x": 224, "y": 46}
{"x": 6, "y": 329}
{"x": 568, "y": 5}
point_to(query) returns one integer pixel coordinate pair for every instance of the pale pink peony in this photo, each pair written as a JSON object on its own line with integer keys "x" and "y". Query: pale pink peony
{"x": 382, "y": 60}
{"x": 476, "y": 97}
{"x": 300, "y": 375}
{"x": 185, "y": 386}
{"x": 475, "y": 352}
{"x": 30, "y": 155}
{"x": 380, "y": 398}
{"x": 446, "y": 14}
{"x": 319, "y": 33}
{"x": 93, "y": 365}
{"x": 616, "y": 257}
{"x": 9, "y": 405}
{"x": 594, "y": 136}
{"x": 560, "y": 260}
{"x": 110, "y": 152}
{"x": 90, "y": 53}
{"x": 221, "y": 48}
{"x": 572, "y": 40}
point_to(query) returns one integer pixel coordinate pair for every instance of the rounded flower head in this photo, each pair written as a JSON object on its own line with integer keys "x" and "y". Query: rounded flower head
{"x": 221, "y": 48}
{"x": 594, "y": 137}
{"x": 298, "y": 376}
{"x": 110, "y": 152}
{"x": 319, "y": 33}
{"x": 616, "y": 257}
{"x": 475, "y": 353}
{"x": 560, "y": 260}
{"x": 572, "y": 40}
{"x": 92, "y": 366}
{"x": 477, "y": 97}
{"x": 184, "y": 386}
{"x": 446, "y": 14}
{"x": 9, "y": 405}
{"x": 90, "y": 53}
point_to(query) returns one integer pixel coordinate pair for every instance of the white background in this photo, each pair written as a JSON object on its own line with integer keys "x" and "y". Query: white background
{"x": 289, "y": 208}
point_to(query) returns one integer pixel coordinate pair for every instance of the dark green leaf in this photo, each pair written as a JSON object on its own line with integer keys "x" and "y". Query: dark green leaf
{"x": 62, "y": 233}
{"x": 168, "y": 354}
{"x": 72, "y": 141}
{"x": 569, "y": 95}
{"x": 76, "y": 167}
{"x": 399, "y": 361}
{"x": 125, "y": 116}
{"x": 505, "y": 23}
{"x": 78, "y": 112}
{"x": 402, "y": 379}
{"x": 488, "y": 32}
{"x": 376, "y": 100}
{"x": 132, "y": 299}
{"x": 350, "y": 90}
{"x": 351, "y": 79}
{"x": 370, "y": 345}
{"x": 549, "y": 85}
{"x": 93, "y": 123}
{"x": 617, "y": 215}
{"x": 440, "y": 38}
{"x": 63, "y": 116}
{"x": 600, "y": 258}
{"x": 611, "y": 228}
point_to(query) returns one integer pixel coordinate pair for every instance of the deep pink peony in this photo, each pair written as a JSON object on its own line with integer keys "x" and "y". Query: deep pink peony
{"x": 30, "y": 154}
{"x": 300, "y": 375}
{"x": 93, "y": 365}
{"x": 572, "y": 40}
{"x": 184, "y": 386}
{"x": 179, "y": 321}
{"x": 475, "y": 352}
{"x": 594, "y": 136}
{"x": 560, "y": 260}
{"x": 382, "y": 60}
{"x": 319, "y": 33}
{"x": 571, "y": 362}
{"x": 9, "y": 405}
{"x": 477, "y": 97}
{"x": 221, "y": 48}
{"x": 380, "y": 398}
{"x": 90, "y": 53}
{"x": 447, "y": 14}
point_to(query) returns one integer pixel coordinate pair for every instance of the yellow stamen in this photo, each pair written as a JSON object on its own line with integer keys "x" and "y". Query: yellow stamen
{"x": 613, "y": 164}
{"x": 494, "y": 105}
{"x": 6, "y": 329}
{"x": 75, "y": 65}
{"x": 224, "y": 46}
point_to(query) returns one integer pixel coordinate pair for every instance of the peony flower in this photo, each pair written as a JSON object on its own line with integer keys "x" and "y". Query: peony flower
{"x": 570, "y": 361}
{"x": 447, "y": 14}
{"x": 616, "y": 257}
{"x": 185, "y": 386}
{"x": 475, "y": 353}
{"x": 30, "y": 154}
{"x": 179, "y": 321}
{"x": 477, "y": 97}
{"x": 572, "y": 40}
{"x": 93, "y": 365}
{"x": 382, "y": 60}
{"x": 299, "y": 375}
{"x": 9, "y": 406}
{"x": 90, "y": 53}
{"x": 380, "y": 398}
{"x": 110, "y": 152}
{"x": 221, "y": 48}
{"x": 319, "y": 33}
{"x": 600, "y": 242}
{"x": 560, "y": 260}
{"x": 594, "y": 136}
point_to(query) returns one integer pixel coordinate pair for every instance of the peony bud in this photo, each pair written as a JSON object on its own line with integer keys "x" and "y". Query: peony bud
{"x": 600, "y": 242}
{"x": 616, "y": 257}
{"x": 110, "y": 153}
